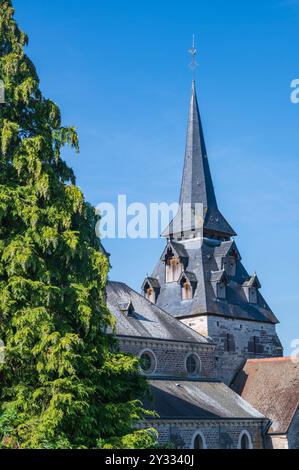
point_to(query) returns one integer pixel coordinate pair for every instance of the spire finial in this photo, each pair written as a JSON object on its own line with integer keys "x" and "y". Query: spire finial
{"x": 193, "y": 52}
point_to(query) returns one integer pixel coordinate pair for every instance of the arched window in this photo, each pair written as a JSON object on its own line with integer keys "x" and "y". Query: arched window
{"x": 198, "y": 441}
{"x": 198, "y": 444}
{"x": 245, "y": 441}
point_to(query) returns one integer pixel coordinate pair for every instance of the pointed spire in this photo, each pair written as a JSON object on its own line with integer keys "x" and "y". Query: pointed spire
{"x": 197, "y": 190}
{"x": 197, "y": 185}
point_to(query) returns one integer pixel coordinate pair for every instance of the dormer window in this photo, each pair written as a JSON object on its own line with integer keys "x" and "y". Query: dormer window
{"x": 251, "y": 287}
{"x": 219, "y": 282}
{"x": 221, "y": 290}
{"x": 188, "y": 285}
{"x": 151, "y": 289}
{"x": 187, "y": 293}
{"x": 150, "y": 294}
{"x": 227, "y": 257}
{"x": 174, "y": 269}
{"x": 232, "y": 266}
{"x": 127, "y": 308}
{"x": 175, "y": 258}
{"x": 253, "y": 295}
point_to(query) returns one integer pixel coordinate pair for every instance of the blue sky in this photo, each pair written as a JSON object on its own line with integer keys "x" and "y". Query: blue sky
{"x": 119, "y": 72}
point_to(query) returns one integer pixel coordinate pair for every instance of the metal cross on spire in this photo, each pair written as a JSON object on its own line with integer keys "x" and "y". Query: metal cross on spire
{"x": 193, "y": 52}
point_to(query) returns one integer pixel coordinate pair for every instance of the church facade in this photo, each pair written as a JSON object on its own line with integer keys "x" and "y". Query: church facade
{"x": 199, "y": 320}
{"x": 195, "y": 408}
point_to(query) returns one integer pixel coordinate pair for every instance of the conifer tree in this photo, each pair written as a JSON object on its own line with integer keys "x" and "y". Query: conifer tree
{"x": 63, "y": 383}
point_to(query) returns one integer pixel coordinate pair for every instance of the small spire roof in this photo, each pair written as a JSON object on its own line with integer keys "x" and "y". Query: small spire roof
{"x": 253, "y": 281}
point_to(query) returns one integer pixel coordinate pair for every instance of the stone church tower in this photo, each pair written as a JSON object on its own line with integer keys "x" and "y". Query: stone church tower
{"x": 200, "y": 278}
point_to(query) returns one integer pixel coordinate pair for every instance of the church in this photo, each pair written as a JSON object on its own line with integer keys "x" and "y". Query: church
{"x": 204, "y": 333}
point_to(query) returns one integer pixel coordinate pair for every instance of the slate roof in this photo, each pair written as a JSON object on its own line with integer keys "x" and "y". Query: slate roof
{"x": 202, "y": 262}
{"x": 189, "y": 276}
{"x": 147, "y": 320}
{"x": 178, "y": 249}
{"x": 272, "y": 387}
{"x": 253, "y": 281}
{"x": 190, "y": 399}
{"x": 225, "y": 248}
{"x": 197, "y": 185}
{"x": 218, "y": 276}
{"x": 153, "y": 282}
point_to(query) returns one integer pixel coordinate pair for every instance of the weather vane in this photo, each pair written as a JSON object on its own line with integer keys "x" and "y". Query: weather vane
{"x": 193, "y": 52}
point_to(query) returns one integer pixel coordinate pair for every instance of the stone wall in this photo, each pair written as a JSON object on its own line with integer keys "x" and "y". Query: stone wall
{"x": 215, "y": 434}
{"x": 286, "y": 441}
{"x": 293, "y": 434}
{"x": 277, "y": 442}
{"x": 171, "y": 356}
{"x": 236, "y": 341}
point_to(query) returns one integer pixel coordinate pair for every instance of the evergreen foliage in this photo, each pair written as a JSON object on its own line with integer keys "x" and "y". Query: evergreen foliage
{"x": 63, "y": 383}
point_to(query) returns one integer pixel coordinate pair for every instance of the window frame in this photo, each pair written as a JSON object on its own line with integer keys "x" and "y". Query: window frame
{"x": 186, "y": 287}
{"x": 253, "y": 295}
{"x": 221, "y": 290}
{"x": 248, "y": 436}
{"x": 175, "y": 272}
{"x": 198, "y": 367}
{"x": 203, "y": 440}
{"x": 154, "y": 362}
{"x": 151, "y": 297}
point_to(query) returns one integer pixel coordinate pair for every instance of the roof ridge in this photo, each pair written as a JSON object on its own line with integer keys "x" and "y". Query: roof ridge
{"x": 272, "y": 359}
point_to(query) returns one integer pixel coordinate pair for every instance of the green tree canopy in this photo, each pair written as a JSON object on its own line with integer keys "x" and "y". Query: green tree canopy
{"x": 63, "y": 382}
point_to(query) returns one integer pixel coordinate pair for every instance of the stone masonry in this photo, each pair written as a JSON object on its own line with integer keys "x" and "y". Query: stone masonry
{"x": 216, "y": 434}
{"x": 236, "y": 341}
{"x": 171, "y": 356}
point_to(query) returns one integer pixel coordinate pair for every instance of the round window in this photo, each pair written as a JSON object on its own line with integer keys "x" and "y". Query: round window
{"x": 192, "y": 364}
{"x": 147, "y": 362}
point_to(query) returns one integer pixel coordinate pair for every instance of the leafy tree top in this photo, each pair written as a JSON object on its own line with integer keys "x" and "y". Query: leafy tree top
{"x": 63, "y": 383}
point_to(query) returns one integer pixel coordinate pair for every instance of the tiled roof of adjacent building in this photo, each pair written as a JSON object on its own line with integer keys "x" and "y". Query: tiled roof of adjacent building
{"x": 272, "y": 387}
{"x": 146, "y": 320}
{"x": 186, "y": 399}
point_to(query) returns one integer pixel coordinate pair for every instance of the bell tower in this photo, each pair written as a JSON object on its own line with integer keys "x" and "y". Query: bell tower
{"x": 200, "y": 278}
